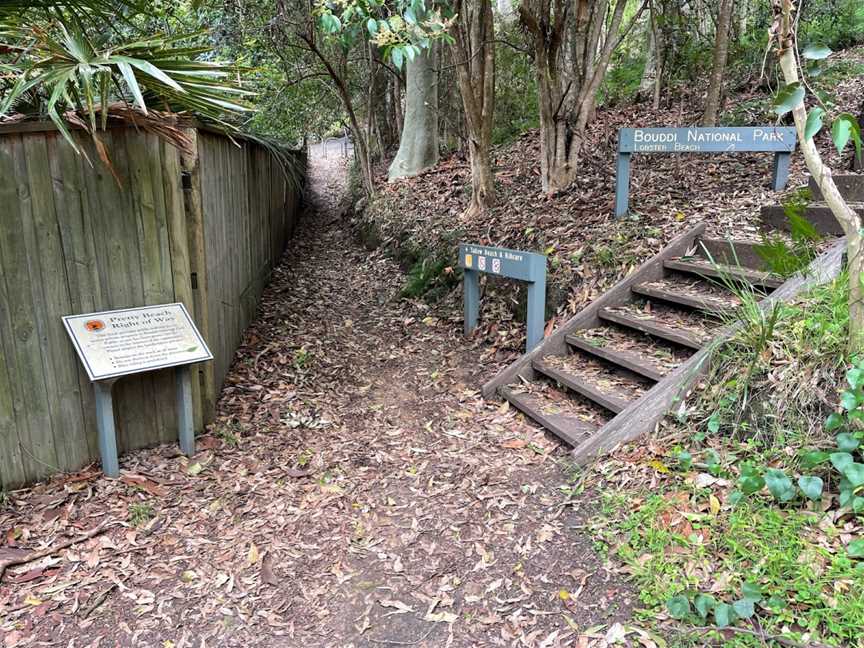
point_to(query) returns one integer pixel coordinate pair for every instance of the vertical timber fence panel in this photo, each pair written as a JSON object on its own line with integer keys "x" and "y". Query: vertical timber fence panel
{"x": 203, "y": 229}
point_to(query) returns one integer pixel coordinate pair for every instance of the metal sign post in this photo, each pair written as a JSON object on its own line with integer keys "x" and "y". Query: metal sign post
{"x": 513, "y": 264}
{"x": 779, "y": 140}
{"x": 113, "y": 344}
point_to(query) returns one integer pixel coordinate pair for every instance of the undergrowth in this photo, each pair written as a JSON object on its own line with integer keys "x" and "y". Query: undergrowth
{"x": 752, "y": 529}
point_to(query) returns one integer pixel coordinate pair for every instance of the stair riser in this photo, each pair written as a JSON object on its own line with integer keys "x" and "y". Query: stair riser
{"x": 773, "y": 218}
{"x": 723, "y": 274}
{"x": 611, "y": 356}
{"x": 647, "y": 327}
{"x": 851, "y": 188}
{"x": 682, "y": 300}
{"x": 604, "y": 400}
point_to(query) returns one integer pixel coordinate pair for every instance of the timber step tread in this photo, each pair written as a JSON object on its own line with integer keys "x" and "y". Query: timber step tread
{"x": 634, "y": 351}
{"x": 675, "y": 326}
{"x": 600, "y": 383}
{"x": 565, "y": 417}
{"x": 690, "y": 292}
{"x": 704, "y": 268}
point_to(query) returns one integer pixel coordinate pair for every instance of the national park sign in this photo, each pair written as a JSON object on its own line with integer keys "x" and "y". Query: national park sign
{"x": 779, "y": 140}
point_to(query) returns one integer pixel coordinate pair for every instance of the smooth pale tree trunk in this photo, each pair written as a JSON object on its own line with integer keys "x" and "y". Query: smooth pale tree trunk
{"x": 649, "y": 72}
{"x": 418, "y": 145}
{"x": 718, "y": 66}
{"x": 849, "y": 220}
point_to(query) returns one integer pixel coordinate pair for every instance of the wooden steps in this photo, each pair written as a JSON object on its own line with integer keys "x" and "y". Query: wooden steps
{"x": 702, "y": 267}
{"x": 686, "y": 336}
{"x": 697, "y": 294}
{"x": 639, "y": 355}
{"x": 631, "y": 349}
{"x": 553, "y": 414}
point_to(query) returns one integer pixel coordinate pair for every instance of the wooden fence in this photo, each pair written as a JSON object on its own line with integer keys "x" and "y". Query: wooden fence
{"x": 202, "y": 229}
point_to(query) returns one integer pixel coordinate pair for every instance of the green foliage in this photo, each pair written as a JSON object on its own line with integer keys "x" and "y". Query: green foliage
{"x": 65, "y": 62}
{"x": 779, "y": 256}
{"x": 140, "y": 513}
{"x": 753, "y": 561}
{"x": 428, "y": 278}
{"x": 836, "y": 24}
{"x": 515, "y": 91}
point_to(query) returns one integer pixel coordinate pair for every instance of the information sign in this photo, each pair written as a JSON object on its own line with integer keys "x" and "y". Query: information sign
{"x": 113, "y": 344}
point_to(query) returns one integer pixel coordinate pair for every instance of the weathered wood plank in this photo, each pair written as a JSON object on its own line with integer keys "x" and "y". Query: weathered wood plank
{"x": 198, "y": 273}
{"x": 13, "y": 471}
{"x": 18, "y": 247}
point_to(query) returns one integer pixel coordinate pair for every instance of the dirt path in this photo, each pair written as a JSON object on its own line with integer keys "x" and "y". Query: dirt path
{"x": 355, "y": 491}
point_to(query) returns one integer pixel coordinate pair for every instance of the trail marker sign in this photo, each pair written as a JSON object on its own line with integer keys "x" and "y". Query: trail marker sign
{"x": 113, "y": 344}
{"x": 779, "y": 140}
{"x": 513, "y": 264}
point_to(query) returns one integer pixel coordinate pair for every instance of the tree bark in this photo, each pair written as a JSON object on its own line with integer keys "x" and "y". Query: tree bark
{"x": 568, "y": 92}
{"x": 849, "y": 220}
{"x": 418, "y": 145}
{"x": 474, "y": 51}
{"x": 718, "y": 66}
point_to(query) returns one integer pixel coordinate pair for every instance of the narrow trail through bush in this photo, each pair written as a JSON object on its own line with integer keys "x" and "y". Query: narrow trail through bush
{"x": 355, "y": 491}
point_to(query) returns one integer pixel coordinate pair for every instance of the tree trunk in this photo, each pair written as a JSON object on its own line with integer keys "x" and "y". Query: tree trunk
{"x": 649, "y": 72}
{"x": 849, "y": 220}
{"x": 418, "y": 145}
{"x": 474, "y": 52}
{"x": 718, "y": 66}
{"x": 567, "y": 93}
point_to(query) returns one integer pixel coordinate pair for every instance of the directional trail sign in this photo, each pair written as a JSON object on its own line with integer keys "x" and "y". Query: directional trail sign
{"x": 513, "y": 264}
{"x": 779, "y": 140}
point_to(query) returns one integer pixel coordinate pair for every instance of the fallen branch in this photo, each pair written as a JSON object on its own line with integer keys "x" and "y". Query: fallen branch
{"x": 42, "y": 553}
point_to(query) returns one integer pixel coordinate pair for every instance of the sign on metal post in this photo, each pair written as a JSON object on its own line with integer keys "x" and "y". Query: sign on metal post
{"x": 779, "y": 140}
{"x": 113, "y": 344}
{"x": 513, "y": 264}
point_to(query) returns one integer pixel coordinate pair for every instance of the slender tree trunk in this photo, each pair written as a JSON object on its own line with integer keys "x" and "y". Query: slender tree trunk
{"x": 418, "y": 145}
{"x": 718, "y": 66}
{"x": 474, "y": 52}
{"x": 649, "y": 72}
{"x": 849, "y": 220}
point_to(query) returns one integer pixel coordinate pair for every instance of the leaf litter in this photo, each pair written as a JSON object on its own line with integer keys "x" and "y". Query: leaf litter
{"x": 354, "y": 490}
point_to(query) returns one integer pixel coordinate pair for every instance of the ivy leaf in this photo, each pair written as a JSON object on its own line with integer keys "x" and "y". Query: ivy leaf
{"x": 846, "y": 442}
{"x": 854, "y": 472}
{"x": 751, "y": 592}
{"x": 750, "y": 484}
{"x": 847, "y": 495}
{"x": 685, "y": 460}
{"x": 811, "y": 486}
{"x": 703, "y": 603}
{"x": 724, "y": 615}
{"x": 814, "y": 458}
{"x": 858, "y": 504}
{"x": 779, "y": 485}
{"x": 372, "y": 26}
{"x": 814, "y": 122}
{"x": 841, "y": 459}
{"x": 833, "y": 422}
{"x": 678, "y": 606}
{"x": 855, "y": 549}
{"x": 855, "y": 377}
{"x": 844, "y": 128}
{"x": 816, "y": 52}
{"x": 789, "y": 97}
{"x": 396, "y": 55}
{"x": 714, "y": 424}
{"x": 744, "y": 608}
{"x": 849, "y": 401}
